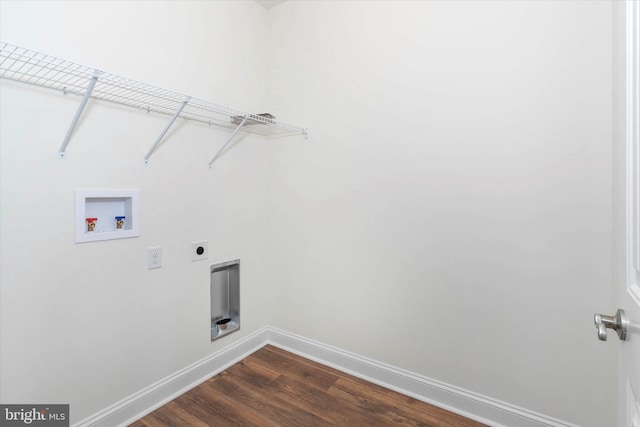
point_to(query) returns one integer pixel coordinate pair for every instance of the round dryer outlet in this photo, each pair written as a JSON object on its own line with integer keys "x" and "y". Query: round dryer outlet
{"x": 199, "y": 250}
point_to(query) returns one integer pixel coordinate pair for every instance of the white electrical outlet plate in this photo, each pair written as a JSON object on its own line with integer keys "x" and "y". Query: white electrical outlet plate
{"x": 199, "y": 250}
{"x": 154, "y": 257}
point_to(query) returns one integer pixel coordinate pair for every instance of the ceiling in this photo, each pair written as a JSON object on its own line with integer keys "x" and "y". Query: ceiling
{"x": 268, "y": 4}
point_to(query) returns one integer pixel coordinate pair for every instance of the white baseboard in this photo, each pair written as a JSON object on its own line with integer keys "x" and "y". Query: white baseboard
{"x": 150, "y": 398}
{"x": 463, "y": 402}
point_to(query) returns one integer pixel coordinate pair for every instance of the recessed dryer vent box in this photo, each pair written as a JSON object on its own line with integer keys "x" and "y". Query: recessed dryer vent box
{"x": 225, "y": 298}
{"x": 106, "y": 215}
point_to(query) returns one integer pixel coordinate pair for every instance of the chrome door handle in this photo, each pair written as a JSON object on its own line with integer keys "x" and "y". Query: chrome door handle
{"x": 618, "y": 323}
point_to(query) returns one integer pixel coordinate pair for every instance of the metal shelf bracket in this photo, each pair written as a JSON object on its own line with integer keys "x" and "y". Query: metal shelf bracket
{"x": 92, "y": 84}
{"x": 166, "y": 129}
{"x": 244, "y": 120}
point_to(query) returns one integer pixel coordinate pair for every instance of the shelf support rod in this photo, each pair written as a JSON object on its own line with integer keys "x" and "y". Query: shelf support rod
{"x": 76, "y": 118}
{"x": 166, "y": 129}
{"x": 228, "y": 140}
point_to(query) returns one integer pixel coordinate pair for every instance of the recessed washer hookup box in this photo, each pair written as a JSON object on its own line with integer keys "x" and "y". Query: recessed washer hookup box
{"x": 225, "y": 298}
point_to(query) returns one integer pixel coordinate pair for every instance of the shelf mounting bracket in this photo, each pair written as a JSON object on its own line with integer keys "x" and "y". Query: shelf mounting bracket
{"x": 92, "y": 84}
{"x": 228, "y": 140}
{"x": 164, "y": 132}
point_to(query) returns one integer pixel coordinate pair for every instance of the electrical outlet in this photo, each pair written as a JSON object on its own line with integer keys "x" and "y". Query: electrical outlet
{"x": 154, "y": 257}
{"x": 199, "y": 250}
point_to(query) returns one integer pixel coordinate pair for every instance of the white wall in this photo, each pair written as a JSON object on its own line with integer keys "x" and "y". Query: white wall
{"x": 88, "y": 324}
{"x": 450, "y": 214}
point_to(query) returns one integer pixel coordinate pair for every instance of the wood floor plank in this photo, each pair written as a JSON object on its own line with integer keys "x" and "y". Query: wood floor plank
{"x": 393, "y": 406}
{"x": 258, "y": 404}
{"x": 255, "y": 373}
{"x": 212, "y": 407}
{"x": 306, "y": 397}
{"x": 272, "y": 387}
{"x": 295, "y": 366}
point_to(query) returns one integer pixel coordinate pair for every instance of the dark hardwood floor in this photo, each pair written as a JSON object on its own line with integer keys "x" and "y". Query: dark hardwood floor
{"x": 273, "y": 387}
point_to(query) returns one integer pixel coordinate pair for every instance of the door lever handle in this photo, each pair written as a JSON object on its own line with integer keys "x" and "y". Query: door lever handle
{"x": 618, "y": 323}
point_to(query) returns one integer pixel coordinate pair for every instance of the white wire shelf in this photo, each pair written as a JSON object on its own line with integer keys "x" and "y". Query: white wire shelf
{"x": 40, "y": 69}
